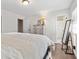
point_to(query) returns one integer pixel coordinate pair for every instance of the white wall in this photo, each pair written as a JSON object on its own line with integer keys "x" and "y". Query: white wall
{"x": 74, "y": 29}
{"x": 73, "y": 6}
{"x": 50, "y": 26}
{"x": 26, "y": 25}
{"x": 73, "y": 14}
{"x": 9, "y": 21}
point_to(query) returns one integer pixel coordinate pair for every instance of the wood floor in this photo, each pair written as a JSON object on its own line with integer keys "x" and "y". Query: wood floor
{"x": 59, "y": 54}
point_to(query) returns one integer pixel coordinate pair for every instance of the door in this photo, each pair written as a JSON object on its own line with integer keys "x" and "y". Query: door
{"x": 20, "y": 25}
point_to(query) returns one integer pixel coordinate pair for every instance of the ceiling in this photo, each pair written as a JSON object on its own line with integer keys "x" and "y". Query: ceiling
{"x": 36, "y": 6}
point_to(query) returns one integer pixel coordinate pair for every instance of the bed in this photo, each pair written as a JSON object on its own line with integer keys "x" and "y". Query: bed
{"x": 24, "y": 46}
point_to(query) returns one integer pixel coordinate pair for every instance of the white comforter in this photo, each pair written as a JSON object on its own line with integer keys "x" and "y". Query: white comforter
{"x": 24, "y": 46}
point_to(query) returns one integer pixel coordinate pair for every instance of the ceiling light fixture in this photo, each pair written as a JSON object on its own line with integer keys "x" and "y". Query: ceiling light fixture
{"x": 25, "y": 2}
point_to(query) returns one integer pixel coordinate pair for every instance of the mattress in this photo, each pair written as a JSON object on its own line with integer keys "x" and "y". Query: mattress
{"x": 24, "y": 46}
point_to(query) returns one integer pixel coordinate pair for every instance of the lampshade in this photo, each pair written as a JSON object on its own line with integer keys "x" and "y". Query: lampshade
{"x": 42, "y": 18}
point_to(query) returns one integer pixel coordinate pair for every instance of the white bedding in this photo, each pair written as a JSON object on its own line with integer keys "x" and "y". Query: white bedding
{"x": 10, "y": 53}
{"x": 29, "y": 46}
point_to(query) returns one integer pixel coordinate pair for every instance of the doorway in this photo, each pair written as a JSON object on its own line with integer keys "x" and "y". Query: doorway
{"x": 20, "y": 25}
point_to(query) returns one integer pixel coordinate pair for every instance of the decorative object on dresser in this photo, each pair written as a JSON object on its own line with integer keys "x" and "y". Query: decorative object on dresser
{"x": 39, "y": 27}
